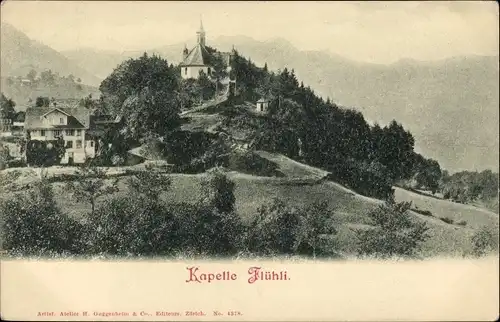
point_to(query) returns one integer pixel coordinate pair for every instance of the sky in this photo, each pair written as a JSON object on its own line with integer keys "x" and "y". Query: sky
{"x": 377, "y": 32}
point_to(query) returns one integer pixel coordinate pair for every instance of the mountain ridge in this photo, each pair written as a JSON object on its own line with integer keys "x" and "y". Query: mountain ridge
{"x": 20, "y": 54}
{"x": 438, "y": 101}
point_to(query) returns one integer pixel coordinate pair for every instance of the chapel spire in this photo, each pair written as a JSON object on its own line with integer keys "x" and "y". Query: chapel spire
{"x": 201, "y": 34}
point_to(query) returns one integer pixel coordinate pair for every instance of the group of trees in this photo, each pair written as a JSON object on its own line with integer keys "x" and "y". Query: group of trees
{"x": 145, "y": 93}
{"x": 468, "y": 186}
{"x": 334, "y": 138}
{"x": 47, "y": 78}
{"x": 140, "y": 222}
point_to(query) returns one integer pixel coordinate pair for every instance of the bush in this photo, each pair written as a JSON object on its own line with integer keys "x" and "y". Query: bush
{"x": 447, "y": 220}
{"x": 367, "y": 179}
{"x": 395, "y": 233}
{"x": 131, "y": 226}
{"x": 33, "y": 225}
{"x": 423, "y": 212}
{"x": 45, "y": 153}
{"x": 483, "y": 242}
{"x": 275, "y": 230}
{"x": 251, "y": 163}
{"x": 462, "y": 223}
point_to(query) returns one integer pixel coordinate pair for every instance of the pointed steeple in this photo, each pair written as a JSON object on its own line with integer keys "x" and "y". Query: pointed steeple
{"x": 201, "y": 34}
{"x": 201, "y": 25}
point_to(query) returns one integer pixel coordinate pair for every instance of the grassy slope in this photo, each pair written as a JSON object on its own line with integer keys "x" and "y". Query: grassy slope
{"x": 349, "y": 208}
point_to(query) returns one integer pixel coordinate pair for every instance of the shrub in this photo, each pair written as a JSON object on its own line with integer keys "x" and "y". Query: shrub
{"x": 275, "y": 230}
{"x": 462, "y": 223}
{"x": 369, "y": 179}
{"x": 423, "y": 212}
{"x": 218, "y": 190}
{"x": 483, "y": 242}
{"x": 131, "y": 226}
{"x": 251, "y": 163}
{"x": 205, "y": 230}
{"x": 33, "y": 225}
{"x": 316, "y": 228}
{"x": 447, "y": 220}
{"x": 395, "y": 233}
{"x": 45, "y": 153}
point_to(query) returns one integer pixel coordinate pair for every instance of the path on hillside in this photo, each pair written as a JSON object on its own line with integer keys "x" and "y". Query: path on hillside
{"x": 293, "y": 169}
{"x": 214, "y": 102}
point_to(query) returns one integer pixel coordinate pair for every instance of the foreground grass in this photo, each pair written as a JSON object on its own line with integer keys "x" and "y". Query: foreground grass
{"x": 350, "y": 209}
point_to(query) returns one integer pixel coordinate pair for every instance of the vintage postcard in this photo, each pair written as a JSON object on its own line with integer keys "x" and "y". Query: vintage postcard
{"x": 249, "y": 161}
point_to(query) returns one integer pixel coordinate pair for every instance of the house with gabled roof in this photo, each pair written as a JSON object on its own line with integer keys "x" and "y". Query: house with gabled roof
{"x": 72, "y": 124}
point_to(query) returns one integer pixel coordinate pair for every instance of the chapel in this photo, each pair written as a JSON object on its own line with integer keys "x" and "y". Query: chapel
{"x": 198, "y": 58}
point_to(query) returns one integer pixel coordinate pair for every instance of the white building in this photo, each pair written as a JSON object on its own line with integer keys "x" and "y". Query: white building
{"x": 262, "y": 105}
{"x": 197, "y": 59}
{"x": 72, "y": 124}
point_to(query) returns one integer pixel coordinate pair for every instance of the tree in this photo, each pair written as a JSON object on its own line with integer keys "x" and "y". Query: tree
{"x": 144, "y": 92}
{"x": 7, "y": 110}
{"x": 131, "y": 226}
{"x": 42, "y": 101}
{"x": 31, "y": 75}
{"x": 428, "y": 174}
{"x": 4, "y": 155}
{"x": 149, "y": 183}
{"x": 218, "y": 219}
{"x": 219, "y": 191}
{"x": 395, "y": 233}
{"x": 90, "y": 185}
{"x": 48, "y": 77}
{"x": 276, "y": 229}
{"x": 316, "y": 226}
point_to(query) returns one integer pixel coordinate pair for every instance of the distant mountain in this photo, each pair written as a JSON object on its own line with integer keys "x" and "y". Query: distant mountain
{"x": 450, "y": 106}
{"x": 99, "y": 63}
{"x": 20, "y": 54}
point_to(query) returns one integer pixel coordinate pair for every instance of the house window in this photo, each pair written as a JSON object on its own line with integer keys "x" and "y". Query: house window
{"x": 185, "y": 71}
{"x": 42, "y": 132}
{"x": 70, "y": 132}
{"x": 78, "y": 144}
{"x": 91, "y": 144}
{"x": 209, "y": 70}
{"x": 78, "y": 132}
{"x": 57, "y": 133}
{"x": 69, "y": 144}
{"x": 61, "y": 120}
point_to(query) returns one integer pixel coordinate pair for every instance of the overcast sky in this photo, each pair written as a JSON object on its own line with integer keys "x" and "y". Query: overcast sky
{"x": 380, "y": 32}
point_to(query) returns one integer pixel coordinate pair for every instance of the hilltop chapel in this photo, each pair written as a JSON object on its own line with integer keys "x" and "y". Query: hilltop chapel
{"x": 198, "y": 59}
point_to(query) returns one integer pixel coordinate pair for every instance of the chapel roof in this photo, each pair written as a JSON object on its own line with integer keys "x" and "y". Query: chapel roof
{"x": 198, "y": 56}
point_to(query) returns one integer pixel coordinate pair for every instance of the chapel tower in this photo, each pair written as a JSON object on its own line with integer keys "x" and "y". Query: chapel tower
{"x": 201, "y": 34}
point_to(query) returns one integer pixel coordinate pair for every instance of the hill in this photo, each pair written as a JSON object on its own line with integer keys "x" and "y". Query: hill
{"x": 350, "y": 209}
{"x": 20, "y": 54}
{"x": 451, "y": 106}
{"x": 63, "y": 89}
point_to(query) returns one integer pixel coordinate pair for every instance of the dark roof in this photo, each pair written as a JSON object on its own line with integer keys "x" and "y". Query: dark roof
{"x": 198, "y": 56}
{"x": 78, "y": 117}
